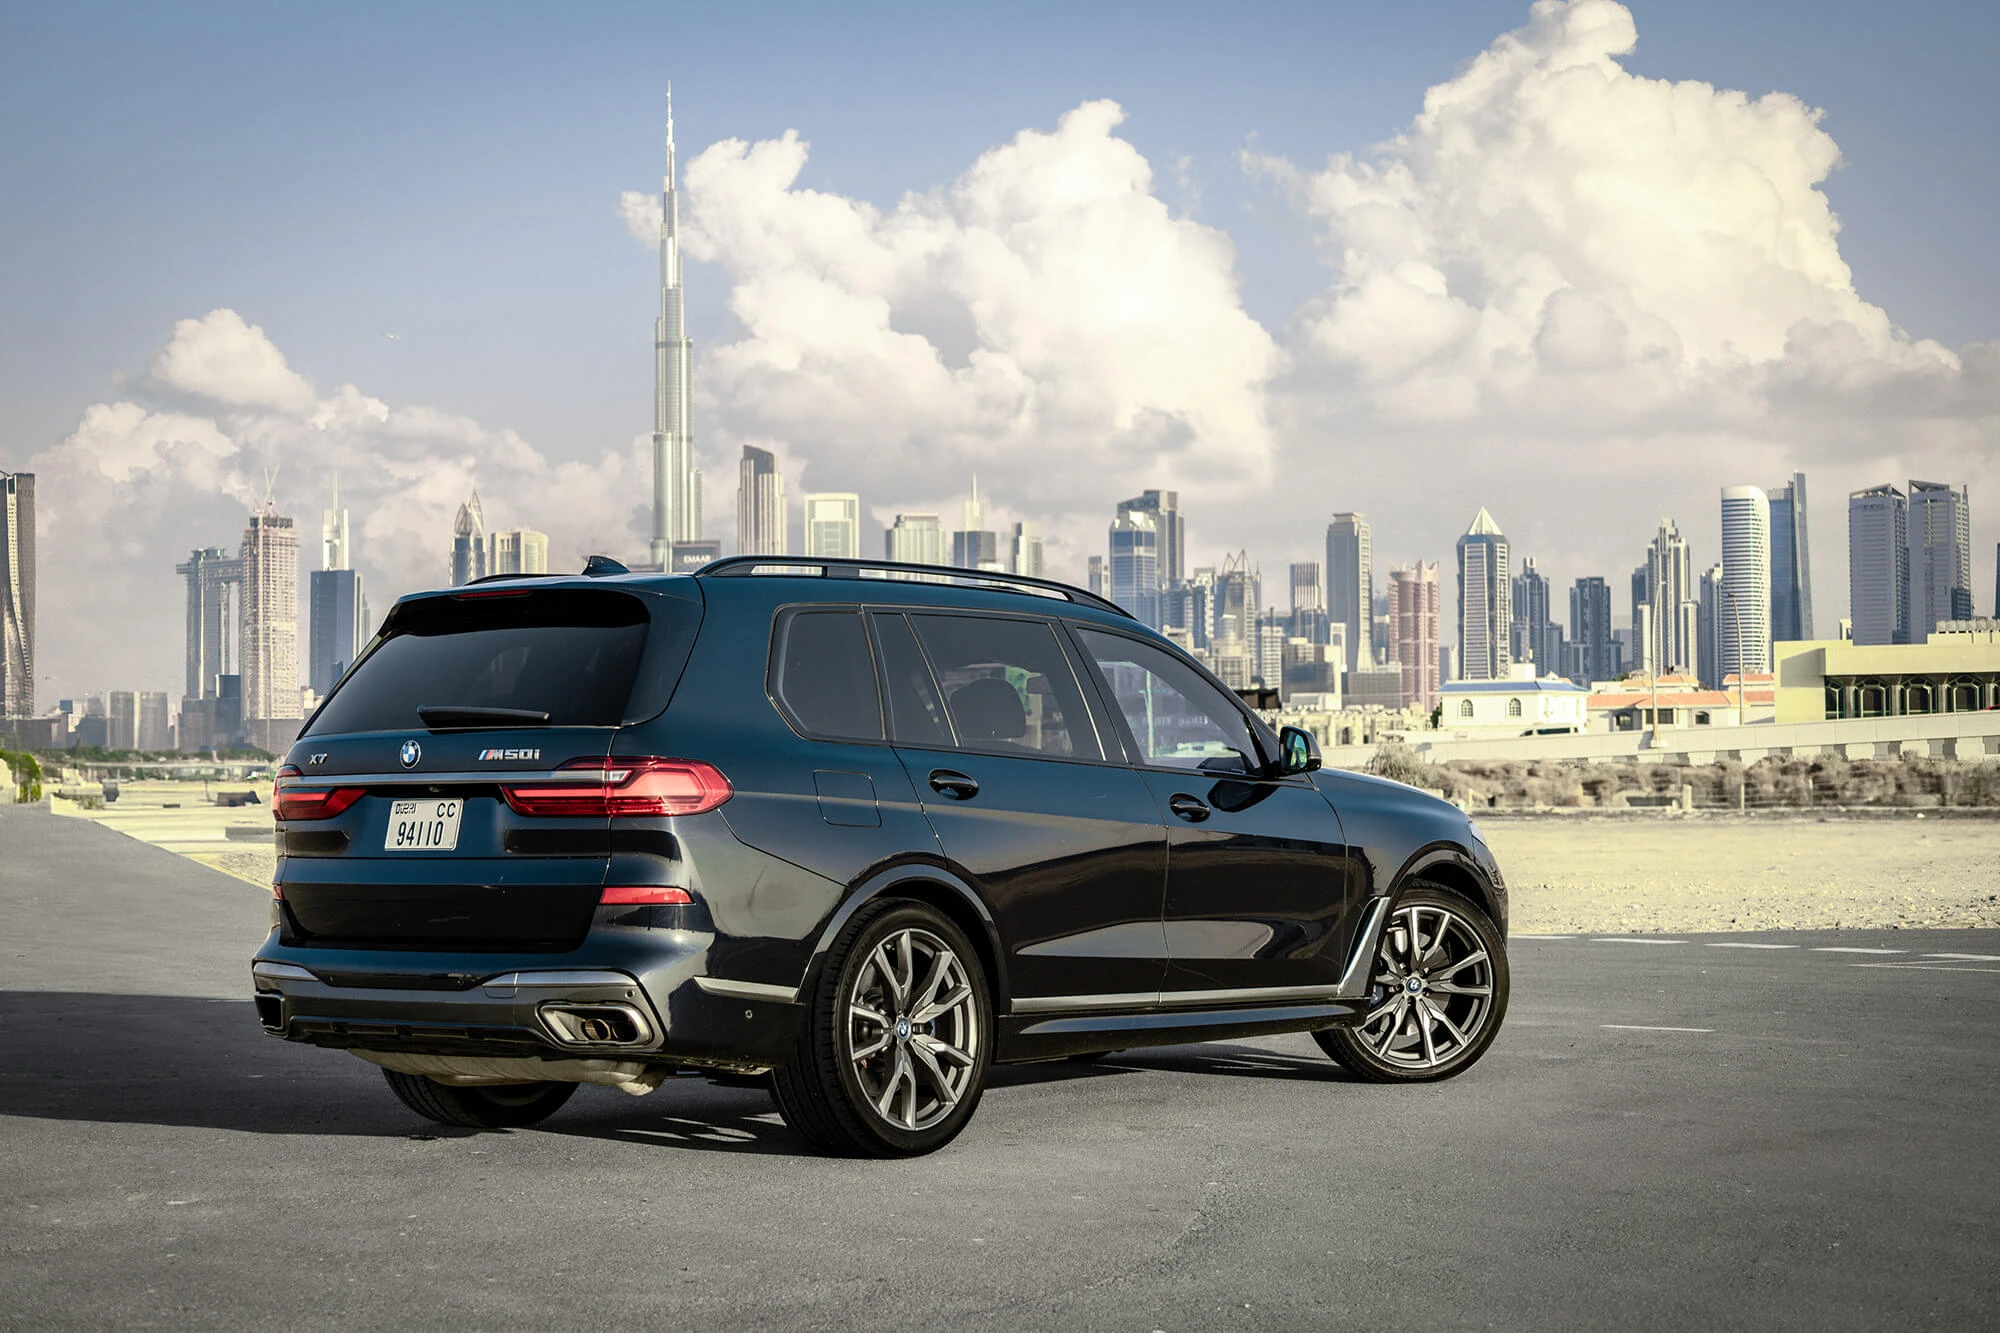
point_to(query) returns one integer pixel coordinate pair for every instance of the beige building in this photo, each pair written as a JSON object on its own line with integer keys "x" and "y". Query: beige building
{"x": 1956, "y": 670}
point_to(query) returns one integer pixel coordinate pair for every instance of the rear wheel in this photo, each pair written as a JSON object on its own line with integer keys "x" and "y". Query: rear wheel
{"x": 1438, "y": 993}
{"x": 508, "y": 1106}
{"x": 893, "y": 1054}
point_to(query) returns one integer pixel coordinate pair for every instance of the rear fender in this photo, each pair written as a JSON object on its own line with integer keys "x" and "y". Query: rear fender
{"x": 926, "y": 883}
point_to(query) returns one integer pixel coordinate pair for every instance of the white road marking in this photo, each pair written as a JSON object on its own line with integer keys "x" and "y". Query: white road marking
{"x": 1745, "y": 944}
{"x": 1631, "y": 939}
{"x": 1966, "y": 957}
{"x": 1929, "y": 967}
{"x": 1841, "y": 948}
{"x": 1641, "y": 1027}
{"x": 1541, "y": 937}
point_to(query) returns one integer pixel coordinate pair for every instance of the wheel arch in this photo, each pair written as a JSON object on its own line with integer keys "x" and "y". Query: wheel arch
{"x": 1453, "y": 867}
{"x": 935, "y": 887}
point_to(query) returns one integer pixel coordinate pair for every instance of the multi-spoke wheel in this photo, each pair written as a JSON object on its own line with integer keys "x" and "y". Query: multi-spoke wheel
{"x": 1439, "y": 992}
{"x": 895, "y": 1046}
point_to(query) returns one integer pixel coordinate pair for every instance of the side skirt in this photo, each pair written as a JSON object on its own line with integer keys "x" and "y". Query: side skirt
{"x": 1023, "y": 1038}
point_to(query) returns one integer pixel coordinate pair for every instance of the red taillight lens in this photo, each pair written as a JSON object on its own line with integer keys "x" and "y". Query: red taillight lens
{"x": 289, "y": 800}
{"x": 618, "y": 894}
{"x": 623, "y": 788}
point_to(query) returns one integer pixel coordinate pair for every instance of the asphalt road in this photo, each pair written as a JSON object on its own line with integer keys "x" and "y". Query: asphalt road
{"x": 1817, "y": 1149}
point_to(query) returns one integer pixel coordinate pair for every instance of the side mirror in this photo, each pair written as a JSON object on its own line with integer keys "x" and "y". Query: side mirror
{"x": 1299, "y": 751}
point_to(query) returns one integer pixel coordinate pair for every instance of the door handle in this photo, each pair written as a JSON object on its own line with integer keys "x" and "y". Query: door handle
{"x": 1191, "y": 808}
{"x": 955, "y": 785}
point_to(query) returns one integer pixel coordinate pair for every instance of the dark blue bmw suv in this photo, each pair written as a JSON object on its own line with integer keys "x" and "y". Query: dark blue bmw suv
{"x": 858, "y": 829}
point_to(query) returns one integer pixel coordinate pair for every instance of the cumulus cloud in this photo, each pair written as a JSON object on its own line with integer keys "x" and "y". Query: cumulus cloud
{"x": 138, "y": 484}
{"x": 1044, "y": 320}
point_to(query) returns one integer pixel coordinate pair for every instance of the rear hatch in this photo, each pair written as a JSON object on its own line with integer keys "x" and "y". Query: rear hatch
{"x": 393, "y": 817}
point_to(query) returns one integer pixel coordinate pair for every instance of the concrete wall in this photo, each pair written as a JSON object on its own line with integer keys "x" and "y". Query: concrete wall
{"x": 1937, "y": 735}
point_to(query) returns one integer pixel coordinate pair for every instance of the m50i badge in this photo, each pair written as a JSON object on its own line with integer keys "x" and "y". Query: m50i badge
{"x": 510, "y": 754}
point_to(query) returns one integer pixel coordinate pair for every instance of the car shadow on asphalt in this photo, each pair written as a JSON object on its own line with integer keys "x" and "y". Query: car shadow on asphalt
{"x": 196, "y": 1062}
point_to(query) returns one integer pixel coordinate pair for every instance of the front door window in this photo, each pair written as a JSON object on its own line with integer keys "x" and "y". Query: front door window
{"x": 1178, "y": 719}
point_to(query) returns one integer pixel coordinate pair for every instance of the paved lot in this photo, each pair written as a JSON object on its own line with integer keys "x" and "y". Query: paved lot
{"x": 1771, "y": 1137}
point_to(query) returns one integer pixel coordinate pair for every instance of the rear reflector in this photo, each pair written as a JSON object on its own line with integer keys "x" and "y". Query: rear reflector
{"x": 289, "y": 800}
{"x": 625, "y": 788}
{"x": 643, "y": 893}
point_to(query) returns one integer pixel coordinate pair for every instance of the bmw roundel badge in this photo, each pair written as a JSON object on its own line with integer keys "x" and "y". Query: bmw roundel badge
{"x": 411, "y": 753}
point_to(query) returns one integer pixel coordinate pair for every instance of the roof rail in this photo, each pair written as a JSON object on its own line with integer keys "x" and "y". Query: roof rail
{"x": 746, "y": 566}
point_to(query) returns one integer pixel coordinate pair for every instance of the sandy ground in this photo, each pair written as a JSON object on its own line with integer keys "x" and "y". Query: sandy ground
{"x": 1568, "y": 874}
{"x": 1669, "y": 872}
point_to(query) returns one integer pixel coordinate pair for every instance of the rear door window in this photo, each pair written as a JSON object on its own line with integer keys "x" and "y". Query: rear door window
{"x": 823, "y": 676}
{"x": 570, "y": 653}
{"x": 1008, "y": 686}
{"x": 916, "y": 713}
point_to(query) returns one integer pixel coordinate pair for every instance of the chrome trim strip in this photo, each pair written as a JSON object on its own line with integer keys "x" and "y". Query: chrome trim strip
{"x": 747, "y": 990}
{"x": 544, "y": 980}
{"x": 416, "y": 777}
{"x": 1175, "y": 999}
{"x": 1055, "y": 1004}
{"x": 1354, "y": 980}
{"x": 262, "y": 970}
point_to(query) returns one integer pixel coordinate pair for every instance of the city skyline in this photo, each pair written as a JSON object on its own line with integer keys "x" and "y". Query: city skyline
{"x": 886, "y": 335}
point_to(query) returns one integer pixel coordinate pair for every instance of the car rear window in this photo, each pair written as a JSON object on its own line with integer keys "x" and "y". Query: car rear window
{"x": 571, "y": 653}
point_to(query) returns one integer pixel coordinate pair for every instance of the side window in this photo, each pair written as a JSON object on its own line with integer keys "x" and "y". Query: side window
{"x": 1465, "y": 708}
{"x": 1007, "y": 686}
{"x": 1178, "y": 718}
{"x": 916, "y": 714}
{"x": 824, "y": 677}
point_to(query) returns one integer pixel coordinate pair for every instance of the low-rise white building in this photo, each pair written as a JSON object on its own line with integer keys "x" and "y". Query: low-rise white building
{"x": 1521, "y": 706}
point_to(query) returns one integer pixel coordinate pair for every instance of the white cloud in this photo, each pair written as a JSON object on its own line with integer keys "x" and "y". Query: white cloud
{"x": 134, "y": 488}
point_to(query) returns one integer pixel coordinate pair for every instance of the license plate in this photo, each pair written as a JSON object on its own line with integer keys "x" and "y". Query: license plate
{"x": 423, "y": 826}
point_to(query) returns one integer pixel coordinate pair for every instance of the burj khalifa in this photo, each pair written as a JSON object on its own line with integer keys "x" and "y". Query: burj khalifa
{"x": 676, "y": 482}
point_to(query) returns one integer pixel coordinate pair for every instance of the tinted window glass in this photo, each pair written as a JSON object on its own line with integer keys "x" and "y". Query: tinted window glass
{"x": 572, "y": 654}
{"x": 1007, "y": 685}
{"x": 916, "y": 715}
{"x": 1179, "y": 719}
{"x": 826, "y": 678}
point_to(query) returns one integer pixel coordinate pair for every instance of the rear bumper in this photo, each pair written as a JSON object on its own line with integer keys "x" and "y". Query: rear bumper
{"x": 648, "y": 1001}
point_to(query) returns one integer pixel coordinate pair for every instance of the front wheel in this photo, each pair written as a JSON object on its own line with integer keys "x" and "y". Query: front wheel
{"x": 893, "y": 1054}
{"x": 504, "y": 1106}
{"x": 1439, "y": 992}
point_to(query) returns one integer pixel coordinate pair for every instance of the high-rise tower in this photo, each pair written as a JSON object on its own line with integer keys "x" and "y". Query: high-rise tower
{"x": 1485, "y": 597}
{"x": 339, "y": 612}
{"x": 17, "y": 594}
{"x": 676, "y": 484}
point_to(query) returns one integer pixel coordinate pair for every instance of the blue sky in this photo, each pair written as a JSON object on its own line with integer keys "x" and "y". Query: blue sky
{"x": 451, "y": 174}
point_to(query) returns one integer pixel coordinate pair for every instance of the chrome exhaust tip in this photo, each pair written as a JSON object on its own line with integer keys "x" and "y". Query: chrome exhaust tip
{"x": 596, "y": 1024}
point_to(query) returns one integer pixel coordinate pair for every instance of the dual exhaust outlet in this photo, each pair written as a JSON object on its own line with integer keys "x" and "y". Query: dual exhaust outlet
{"x": 601, "y": 1024}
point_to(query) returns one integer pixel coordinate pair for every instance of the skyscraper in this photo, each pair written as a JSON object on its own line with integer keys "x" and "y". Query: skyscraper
{"x": 1714, "y": 623}
{"x": 214, "y": 615}
{"x": 17, "y": 594}
{"x": 760, "y": 504}
{"x": 1350, "y": 584}
{"x": 1743, "y": 620}
{"x": 1670, "y": 637}
{"x": 916, "y": 539}
{"x": 975, "y": 546}
{"x": 1940, "y": 531}
{"x": 1025, "y": 553}
{"x": 1590, "y": 629}
{"x": 270, "y": 633}
{"x": 1413, "y": 614}
{"x": 1309, "y": 619}
{"x": 468, "y": 546}
{"x": 1096, "y": 577}
{"x": 337, "y": 614}
{"x": 1791, "y": 563}
{"x": 1878, "y": 565}
{"x": 518, "y": 551}
{"x": 833, "y": 525}
{"x": 1165, "y": 507}
{"x": 1535, "y": 634}
{"x": 1485, "y": 594}
{"x": 1135, "y": 564}
{"x": 676, "y": 483}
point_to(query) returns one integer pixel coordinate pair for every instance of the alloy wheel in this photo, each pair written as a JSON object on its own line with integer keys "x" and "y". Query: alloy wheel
{"x": 912, "y": 1029}
{"x": 1433, "y": 989}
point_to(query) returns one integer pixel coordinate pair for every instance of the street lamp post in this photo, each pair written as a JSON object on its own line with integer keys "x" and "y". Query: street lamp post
{"x": 1736, "y": 626}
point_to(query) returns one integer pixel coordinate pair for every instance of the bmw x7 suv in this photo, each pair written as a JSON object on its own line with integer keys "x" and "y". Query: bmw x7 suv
{"x": 861, "y": 830}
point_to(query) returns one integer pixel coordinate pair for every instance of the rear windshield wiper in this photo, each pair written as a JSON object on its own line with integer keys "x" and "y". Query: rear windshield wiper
{"x": 444, "y": 717}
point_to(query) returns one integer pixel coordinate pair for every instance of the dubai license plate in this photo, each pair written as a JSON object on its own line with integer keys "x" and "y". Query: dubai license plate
{"x": 423, "y": 826}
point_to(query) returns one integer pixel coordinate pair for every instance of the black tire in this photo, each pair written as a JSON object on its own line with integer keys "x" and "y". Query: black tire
{"x": 511, "y": 1106}
{"x": 1452, "y": 952}
{"x": 828, "y": 1091}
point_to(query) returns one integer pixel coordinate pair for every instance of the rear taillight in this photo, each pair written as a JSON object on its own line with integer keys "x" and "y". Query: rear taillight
{"x": 624, "y": 788}
{"x": 635, "y": 894}
{"x": 290, "y": 800}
